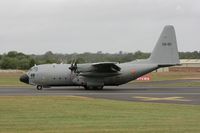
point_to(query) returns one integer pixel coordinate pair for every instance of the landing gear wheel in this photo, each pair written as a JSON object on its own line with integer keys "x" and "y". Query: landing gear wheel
{"x": 100, "y": 88}
{"x": 93, "y": 87}
{"x": 87, "y": 87}
{"x": 39, "y": 87}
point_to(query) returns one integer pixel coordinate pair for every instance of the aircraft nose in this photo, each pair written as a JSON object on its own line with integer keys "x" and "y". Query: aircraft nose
{"x": 24, "y": 78}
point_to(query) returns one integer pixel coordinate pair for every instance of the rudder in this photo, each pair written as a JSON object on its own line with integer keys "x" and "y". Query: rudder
{"x": 165, "y": 52}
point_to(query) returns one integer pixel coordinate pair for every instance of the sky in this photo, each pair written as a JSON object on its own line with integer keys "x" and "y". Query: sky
{"x": 77, "y": 26}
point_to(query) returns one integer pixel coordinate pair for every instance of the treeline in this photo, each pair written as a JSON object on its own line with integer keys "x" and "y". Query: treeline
{"x": 15, "y": 60}
{"x": 18, "y": 60}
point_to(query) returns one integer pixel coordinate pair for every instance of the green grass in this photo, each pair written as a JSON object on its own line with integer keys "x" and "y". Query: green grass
{"x": 165, "y": 76}
{"x": 41, "y": 114}
{"x": 11, "y": 79}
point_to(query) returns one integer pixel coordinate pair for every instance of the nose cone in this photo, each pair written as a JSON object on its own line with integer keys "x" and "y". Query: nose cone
{"x": 24, "y": 78}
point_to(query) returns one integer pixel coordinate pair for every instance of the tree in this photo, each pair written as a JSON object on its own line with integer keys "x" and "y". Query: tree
{"x": 12, "y": 54}
{"x": 32, "y": 62}
{"x": 23, "y": 64}
{"x": 9, "y": 63}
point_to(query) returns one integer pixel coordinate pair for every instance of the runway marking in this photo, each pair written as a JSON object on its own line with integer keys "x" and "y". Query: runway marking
{"x": 162, "y": 98}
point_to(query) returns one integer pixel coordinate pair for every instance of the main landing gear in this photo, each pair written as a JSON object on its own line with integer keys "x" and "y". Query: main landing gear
{"x": 39, "y": 87}
{"x": 93, "y": 87}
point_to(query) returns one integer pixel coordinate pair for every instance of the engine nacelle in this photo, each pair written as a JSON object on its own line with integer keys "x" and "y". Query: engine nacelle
{"x": 79, "y": 80}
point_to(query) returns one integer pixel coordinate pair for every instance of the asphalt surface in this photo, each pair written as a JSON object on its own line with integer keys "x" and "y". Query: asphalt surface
{"x": 126, "y": 92}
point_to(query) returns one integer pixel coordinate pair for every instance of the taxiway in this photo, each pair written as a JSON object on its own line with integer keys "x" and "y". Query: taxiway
{"x": 183, "y": 95}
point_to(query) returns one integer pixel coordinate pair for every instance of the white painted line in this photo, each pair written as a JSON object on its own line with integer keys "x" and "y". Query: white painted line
{"x": 182, "y": 99}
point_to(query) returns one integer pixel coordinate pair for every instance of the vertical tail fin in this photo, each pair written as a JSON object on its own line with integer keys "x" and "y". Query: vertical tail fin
{"x": 166, "y": 52}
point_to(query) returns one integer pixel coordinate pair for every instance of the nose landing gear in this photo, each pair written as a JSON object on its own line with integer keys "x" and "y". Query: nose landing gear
{"x": 39, "y": 87}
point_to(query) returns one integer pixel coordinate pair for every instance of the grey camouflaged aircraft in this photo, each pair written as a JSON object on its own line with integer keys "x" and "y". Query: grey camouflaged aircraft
{"x": 98, "y": 75}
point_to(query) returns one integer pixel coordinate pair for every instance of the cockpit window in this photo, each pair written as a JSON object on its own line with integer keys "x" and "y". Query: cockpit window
{"x": 35, "y": 69}
{"x": 32, "y": 75}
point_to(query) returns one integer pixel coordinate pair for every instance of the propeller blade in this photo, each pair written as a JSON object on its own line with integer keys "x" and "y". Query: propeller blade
{"x": 73, "y": 66}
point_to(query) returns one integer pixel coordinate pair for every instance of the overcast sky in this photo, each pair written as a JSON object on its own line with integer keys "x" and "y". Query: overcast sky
{"x": 67, "y": 26}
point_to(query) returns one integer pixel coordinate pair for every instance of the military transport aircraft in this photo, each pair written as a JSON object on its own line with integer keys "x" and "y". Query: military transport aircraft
{"x": 98, "y": 75}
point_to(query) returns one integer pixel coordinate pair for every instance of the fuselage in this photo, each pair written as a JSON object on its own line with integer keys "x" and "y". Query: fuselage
{"x": 61, "y": 75}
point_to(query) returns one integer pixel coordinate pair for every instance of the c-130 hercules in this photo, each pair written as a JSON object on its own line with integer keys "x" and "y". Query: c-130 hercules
{"x": 98, "y": 75}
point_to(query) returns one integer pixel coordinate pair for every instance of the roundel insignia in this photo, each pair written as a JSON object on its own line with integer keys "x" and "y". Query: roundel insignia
{"x": 133, "y": 71}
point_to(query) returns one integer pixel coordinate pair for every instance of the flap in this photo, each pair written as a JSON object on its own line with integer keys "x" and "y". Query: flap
{"x": 106, "y": 67}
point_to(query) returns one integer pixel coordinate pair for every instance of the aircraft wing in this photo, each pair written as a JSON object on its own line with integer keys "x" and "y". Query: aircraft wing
{"x": 101, "y": 69}
{"x": 107, "y": 67}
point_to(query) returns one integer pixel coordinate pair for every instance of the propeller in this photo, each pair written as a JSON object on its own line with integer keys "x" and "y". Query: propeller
{"x": 73, "y": 69}
{"x": 73, "y": 66}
